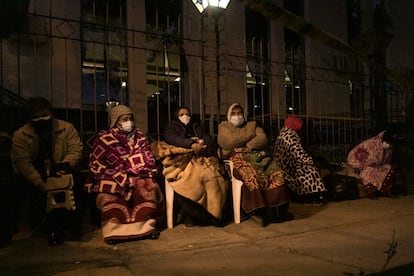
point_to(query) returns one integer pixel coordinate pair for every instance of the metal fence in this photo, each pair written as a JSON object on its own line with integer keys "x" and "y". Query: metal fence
{"x": 329, "y": 136}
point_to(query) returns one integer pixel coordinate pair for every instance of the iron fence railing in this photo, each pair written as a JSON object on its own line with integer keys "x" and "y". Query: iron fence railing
{"x": 11, "y": 114}
{"x": 333, "y": 137}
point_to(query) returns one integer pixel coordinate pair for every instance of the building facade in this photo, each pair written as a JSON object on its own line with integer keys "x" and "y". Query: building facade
{"x": 344, "y": 68}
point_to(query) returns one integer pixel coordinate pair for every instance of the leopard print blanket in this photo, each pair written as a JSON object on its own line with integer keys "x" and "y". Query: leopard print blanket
{"x": 301, "y": 175}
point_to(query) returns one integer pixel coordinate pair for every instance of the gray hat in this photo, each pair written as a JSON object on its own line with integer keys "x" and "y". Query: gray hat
{"x": 116, "y": 112}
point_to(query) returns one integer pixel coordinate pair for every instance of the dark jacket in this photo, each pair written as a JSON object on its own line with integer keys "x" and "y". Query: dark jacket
{"x": 180, "y": 135}
{"x": 67, "y": 147}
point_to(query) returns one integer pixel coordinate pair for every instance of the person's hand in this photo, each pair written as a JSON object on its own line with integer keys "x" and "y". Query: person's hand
{"x": 42, "y": 187}
{"x": 241, "y": 149}
{"x": 197, "y": 147}
{"x": 62, "y": 168}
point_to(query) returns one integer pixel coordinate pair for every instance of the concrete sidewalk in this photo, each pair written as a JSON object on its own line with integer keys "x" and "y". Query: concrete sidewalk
{"x": 357, "y": 237}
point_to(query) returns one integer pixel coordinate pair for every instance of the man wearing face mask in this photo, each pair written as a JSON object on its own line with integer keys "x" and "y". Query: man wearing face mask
{"x": 372, "y": 158}
{"x": 193, "y": 171}
{"x": 122, "y": 177}
{"x": 42, "y": 148}
{"x": 245, "y": 144}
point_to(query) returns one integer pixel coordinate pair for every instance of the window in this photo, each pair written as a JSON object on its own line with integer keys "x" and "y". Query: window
{"x": 164, "y": 64}
{"x": 104, "y": 59}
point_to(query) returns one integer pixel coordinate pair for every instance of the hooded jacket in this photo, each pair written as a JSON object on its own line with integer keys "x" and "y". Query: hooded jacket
{"x": 67, "y": 147}
{"x": 249, "y": 135}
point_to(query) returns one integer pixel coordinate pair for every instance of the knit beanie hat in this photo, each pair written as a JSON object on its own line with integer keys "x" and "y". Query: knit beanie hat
{"x": 116, "y": 112}
{"x": 294, "y": 123}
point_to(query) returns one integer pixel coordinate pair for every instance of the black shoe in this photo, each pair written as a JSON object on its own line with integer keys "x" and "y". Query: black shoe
{"x": 188, "y": 222}
{"x": 314, "y": 199}
{"x": 55, "y": 239}
{"x": 244, "y": 216}
{"x": 286, "y": 217}
{"x": 111, "y": 242}
{"x": 265, "y": 222}
{"x": 276, "y": 215}
{"x": 259, "y": 219}
{"x": 315, "y": 203}
{"x": 180, "y": 219}
{"x": 154, "y": 235}
{"x": 372, "y": 196}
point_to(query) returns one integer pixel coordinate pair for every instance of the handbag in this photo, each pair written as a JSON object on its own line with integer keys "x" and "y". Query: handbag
{"x": 59, "y": 192}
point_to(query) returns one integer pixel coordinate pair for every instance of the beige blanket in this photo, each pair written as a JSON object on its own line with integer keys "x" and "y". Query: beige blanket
{"x": 195, "y": 177}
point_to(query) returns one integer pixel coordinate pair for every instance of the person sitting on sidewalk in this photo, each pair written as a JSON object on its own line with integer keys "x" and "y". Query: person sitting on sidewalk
{"x": 264, "y": 192}
{"x": 43, "y": 148}
{"x": 372, "y": 158}
{"x": 301, "y": 174}
{"x": 190, "y": 164}
{"x": 122, "y": 176}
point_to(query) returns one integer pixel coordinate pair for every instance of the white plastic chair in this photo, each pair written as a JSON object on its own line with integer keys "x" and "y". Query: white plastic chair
{"x": 236, "y": 185}
{"x": 169, "y": 203}
{"x": 236, "y": 188}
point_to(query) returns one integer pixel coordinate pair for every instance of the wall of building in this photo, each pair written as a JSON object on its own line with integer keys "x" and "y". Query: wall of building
{"x": 277, "y": 82}
{"x": 137, "y": 63}
{"x": 327, "y": 89}
{"x": 200, "y": 47}
{"x": 234, "y": 67}
{"x": 192, "y": 46}
{"x": 45, "y": 60}
{"x": 399, "y": 53}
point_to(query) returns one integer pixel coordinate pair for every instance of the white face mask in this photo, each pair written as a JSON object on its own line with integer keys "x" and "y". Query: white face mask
{"x": 236, "y": 120}
{"x": 127, "y": 126}
{"x": 185, "y": 119}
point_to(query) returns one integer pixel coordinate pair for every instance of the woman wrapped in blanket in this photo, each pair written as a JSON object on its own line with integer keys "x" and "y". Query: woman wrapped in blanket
{"x": 245, "y": 143}
{"x": 123, "y": 178}
{"x": 301, "y": 174}
{"x": 190, "y": 164}
{"x": 372, "y": 158}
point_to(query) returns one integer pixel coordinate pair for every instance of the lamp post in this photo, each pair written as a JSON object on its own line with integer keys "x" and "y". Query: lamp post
{"x": 202, "y": 5}
{"x": 217, "y": 7}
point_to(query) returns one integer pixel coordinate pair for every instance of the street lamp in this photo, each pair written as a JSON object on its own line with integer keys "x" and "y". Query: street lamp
{"x": 216, "y": 8}
{"x": 202, "y": 5}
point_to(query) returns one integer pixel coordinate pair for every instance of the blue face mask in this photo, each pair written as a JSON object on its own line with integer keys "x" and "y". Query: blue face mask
{"x": 237, "y": 120}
